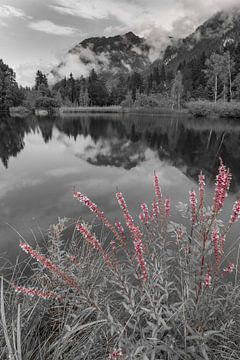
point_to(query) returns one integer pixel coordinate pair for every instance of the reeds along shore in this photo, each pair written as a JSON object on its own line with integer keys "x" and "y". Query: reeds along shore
{"x": 91, "y": 109}
{"x": 120, "y": 109}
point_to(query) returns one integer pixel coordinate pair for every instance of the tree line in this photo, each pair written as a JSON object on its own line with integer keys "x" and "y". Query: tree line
{"x": 200, "y": 78}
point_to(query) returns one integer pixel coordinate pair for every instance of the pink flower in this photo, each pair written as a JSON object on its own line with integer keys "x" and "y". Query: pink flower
{"x": 223, "y": 181}
{"x": 145, "y": 212}
{"x": 100, "y": 214}
{"x": 151, "y": 216}
{"x": 167, "y": 208}
{"x": 113, "y": 245}
{"x": 35, "y": 292}
{"x": 73, "y": 258}
{"x": 158, "y": 193}
{"x": 155, "y": 208}
{"x": 145, "y": 217}
{"x": 208, "y": 279}
{"x": 216, "y": 244}
{"x": 229, "y": 269}
{"x": 193, "y": 203}
{"x": 179, "y": 234}
{"x": 135, "y": 232}
{"x": 49, "y": 265}
{"x": 236, "y": 212}
{"x": 116, "y": 354}
{"x": 94, "y": 242}
{"x": 121, "y": 230}
{"x": 201, "y": 179}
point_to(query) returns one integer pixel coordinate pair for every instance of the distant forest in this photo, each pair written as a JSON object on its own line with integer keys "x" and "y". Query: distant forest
{"x": 214, "y": 78}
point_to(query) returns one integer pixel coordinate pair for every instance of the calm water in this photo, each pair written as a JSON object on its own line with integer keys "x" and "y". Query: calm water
{"x": 42, "y": 160}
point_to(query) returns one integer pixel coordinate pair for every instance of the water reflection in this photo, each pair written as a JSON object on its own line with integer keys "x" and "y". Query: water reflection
{"x": 122, "y": 141}
{"x": 44, "y": 159}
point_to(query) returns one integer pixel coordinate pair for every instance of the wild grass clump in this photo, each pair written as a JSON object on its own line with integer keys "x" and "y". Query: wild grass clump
{"x": 149, "y": 289}
{"x": 219, "y": 109}
{"x": 90, "y": 109}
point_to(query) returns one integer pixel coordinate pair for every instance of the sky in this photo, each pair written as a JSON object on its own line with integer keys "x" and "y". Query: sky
{"x": 36, "y": 34}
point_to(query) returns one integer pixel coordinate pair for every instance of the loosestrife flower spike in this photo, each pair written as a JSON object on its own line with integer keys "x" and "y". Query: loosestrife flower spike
{"x": 217, "y": 247}
{"x": 229, "y": 269}
{"x": 167, "y": 208}
{"x": 179, "y": 234}
{"x": 135, "y": 232}
{"x": 236, "y": 212}
{"x": 223, "y": 181}
{"x": 208, "y": 279}
{"x": 35, "y": 292}
{"x": 193, "y": 203}
{"x": 94, "y": 242}
{"x": 145, "y": 215}
{"x": 158, "y": 194}
{"x": 201, "y": 180}
{"x": 155, "y": 208}
{"x": 121, "y": 230}
{"x": 49, "y": 265}
{"x": 100, "y": 214}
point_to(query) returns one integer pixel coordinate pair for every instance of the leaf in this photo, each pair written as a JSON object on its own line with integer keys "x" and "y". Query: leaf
{"x": 83, "y": 327}
{"x": 139, "y": 350}
{"x": 68, "y": 328}
{"x": 211, "y": 332}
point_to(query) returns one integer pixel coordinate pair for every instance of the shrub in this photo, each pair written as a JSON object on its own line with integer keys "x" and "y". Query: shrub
{"x": 200, "y": 108}
{"x": 154, "y": 290}
{"x": 231, "y": 110}
{"x": 45, "y": 102}
{"x": 220, "y": 109}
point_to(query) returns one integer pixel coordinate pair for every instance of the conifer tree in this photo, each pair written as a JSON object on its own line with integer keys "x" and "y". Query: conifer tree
{"x": 10, "y": 94}
{"x": 86, "y": 99}
{"x": 81, "y": 97}
{"x": 40, "y": 79}
{"x": 177, "y": 90}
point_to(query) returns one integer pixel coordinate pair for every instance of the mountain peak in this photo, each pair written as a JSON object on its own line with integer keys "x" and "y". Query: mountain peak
{"x": 131, "y": 35}
{"x": 119, "y": 54}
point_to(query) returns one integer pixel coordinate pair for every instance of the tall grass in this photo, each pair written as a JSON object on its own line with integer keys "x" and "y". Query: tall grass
{"x": 149, "y": 289}
{"x": 90, "y": 109}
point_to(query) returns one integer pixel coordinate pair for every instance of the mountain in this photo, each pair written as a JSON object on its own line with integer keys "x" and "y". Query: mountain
{"x": 220, "y": 32}
{"x": 118, "y": 54}
{"x": 123, "y": 54}
{"x": 124, "y": 69}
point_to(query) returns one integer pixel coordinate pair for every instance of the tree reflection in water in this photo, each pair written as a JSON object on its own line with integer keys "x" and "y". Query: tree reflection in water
{"x": 122, "y": 141}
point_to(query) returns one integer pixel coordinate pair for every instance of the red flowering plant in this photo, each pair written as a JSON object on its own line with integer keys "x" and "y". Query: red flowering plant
{"x": 143, "y": 287}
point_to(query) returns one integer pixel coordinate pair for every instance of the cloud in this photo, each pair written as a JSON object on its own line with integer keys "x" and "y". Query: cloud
{"x": 145, "y": 18}
{"x": 177, "y": 17}
{"x": 25, "y": 73}
{"x": 128, "y": 13}
{"x": 7, "y": 11}
{"x": 80, "y": 64}
{"x": 50, "y": 28}
{"x": 194, "y": 13}
{"x": 95, "y": 9}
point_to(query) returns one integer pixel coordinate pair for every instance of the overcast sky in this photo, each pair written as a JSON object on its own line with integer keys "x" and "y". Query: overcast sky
{"x": 37, "y": 33}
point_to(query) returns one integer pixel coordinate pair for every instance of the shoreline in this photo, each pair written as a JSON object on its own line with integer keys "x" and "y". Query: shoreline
{"x": 121, "y": 110}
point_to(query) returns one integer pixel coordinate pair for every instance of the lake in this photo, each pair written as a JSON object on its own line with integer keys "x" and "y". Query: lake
{"x": 44, "y": 159}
